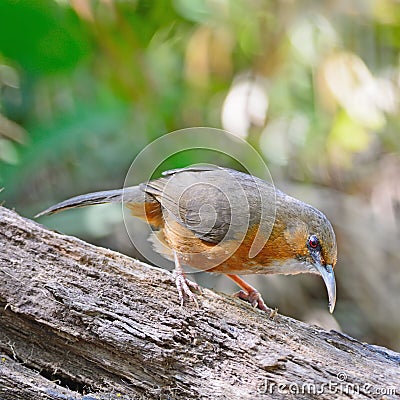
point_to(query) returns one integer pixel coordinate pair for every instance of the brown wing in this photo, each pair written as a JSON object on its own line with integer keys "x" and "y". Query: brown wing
{"x": 213, "y": 203}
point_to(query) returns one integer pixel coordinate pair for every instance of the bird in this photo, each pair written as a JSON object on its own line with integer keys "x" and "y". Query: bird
{"x": 224, "y": 221}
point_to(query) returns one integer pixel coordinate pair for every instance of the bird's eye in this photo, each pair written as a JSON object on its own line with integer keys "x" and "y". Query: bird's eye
{"x": 313, "y": 242}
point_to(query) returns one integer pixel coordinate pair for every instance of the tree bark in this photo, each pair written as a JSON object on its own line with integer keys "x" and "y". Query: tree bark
{"x": 82, "y": 322}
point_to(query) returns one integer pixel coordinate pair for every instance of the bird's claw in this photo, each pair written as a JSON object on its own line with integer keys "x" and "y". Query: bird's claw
{"x": 254, "y": 298}
{"x": 185, "y": 287}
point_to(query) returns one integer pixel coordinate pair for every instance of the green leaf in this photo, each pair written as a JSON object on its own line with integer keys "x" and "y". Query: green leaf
{"x": 41, "y": 36}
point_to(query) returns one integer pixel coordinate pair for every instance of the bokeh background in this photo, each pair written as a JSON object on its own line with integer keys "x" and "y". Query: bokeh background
{"x": 312, "y": 85}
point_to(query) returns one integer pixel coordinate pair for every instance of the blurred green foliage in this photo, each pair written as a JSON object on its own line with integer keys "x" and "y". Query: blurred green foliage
{"x": 313, "y": 86}
{"x": 42, "y": 37}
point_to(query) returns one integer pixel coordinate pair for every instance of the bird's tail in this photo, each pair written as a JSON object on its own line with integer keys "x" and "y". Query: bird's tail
{"x": 127, "y": 195}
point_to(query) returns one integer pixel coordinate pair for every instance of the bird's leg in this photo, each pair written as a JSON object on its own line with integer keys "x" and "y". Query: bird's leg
{"x": 249, "y": 293}
{"x": 183, "y": 284}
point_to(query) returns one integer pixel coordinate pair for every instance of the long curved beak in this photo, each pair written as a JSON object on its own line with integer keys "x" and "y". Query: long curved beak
{"x": 329, "y": 279}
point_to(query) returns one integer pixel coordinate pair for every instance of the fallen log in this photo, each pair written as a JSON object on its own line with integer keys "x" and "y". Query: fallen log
{"x": 83, "y": 322}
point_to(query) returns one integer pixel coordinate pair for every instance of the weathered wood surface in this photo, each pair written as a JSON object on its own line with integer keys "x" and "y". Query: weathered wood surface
{"x": 82, "y": 322}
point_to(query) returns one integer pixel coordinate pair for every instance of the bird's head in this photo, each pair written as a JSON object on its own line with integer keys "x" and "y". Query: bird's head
{"x": 312, "y": 243}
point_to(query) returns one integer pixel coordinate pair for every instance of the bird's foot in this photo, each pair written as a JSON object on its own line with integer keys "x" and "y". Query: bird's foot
{"x": 183, "y": 284}
{"x": 254, "y": 298}
{"x": 251, "y": 295}
{"x": 185, "y": 287}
